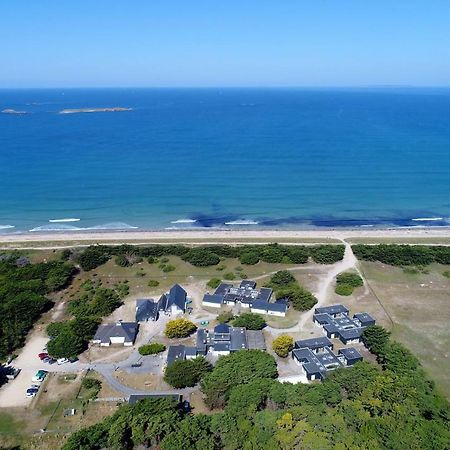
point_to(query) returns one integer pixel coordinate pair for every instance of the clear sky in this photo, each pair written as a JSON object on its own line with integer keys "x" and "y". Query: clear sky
{"x": 80, "y": 43}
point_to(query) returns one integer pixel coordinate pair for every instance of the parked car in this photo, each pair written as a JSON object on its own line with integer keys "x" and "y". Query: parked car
{"x": 74, "y": 359}
{"x": 35, "y": 386}
{"x": 62, "y": 361}
{"x": 31, "y": 392}
{"x": 42, "y": 356}
{"x": 39, "y": 377}
{"x": 11, "y": 372}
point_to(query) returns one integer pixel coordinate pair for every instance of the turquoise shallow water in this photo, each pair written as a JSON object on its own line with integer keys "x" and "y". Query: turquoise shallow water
{"x": 225, "y": 157}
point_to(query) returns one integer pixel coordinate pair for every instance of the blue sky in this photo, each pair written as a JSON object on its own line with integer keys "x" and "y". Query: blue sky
{"x": 84, "y": 43}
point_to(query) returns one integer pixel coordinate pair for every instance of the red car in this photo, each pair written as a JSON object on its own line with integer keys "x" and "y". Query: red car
{"x": 43, "y": 356}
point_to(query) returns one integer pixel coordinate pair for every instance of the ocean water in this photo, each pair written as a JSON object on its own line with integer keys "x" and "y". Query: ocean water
{"x": 232, "y": 158}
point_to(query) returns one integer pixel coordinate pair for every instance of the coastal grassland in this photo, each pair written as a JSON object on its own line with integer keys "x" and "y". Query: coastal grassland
{"x": 414, "y": 240}
{"x": 419, "y": 306}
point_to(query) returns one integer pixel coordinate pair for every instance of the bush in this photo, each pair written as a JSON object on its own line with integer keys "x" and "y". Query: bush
{"x": 122, "y": 261}
{"x": 327, "y": 254}
{"x": 229, "y": 276}
{"x": 282, "y": 345}
{"x": 350, "y": 278}
{"x": 343, "y": 289}
{"x": 281, "y": 279}
{"x": 151, "y": 349}
{"x": 92, "y": 257}
{"x": 153, "y": 283}
{"x": 402, "y": 255}
{"x": 225, "y": 317}
{"x": 249, "y": 258}
{"x": 250, "y": 321}
{"x": 375, "y": 338}
{"x": 151, "y": 260}
{"x": 446, "y": 273}
{"x": 168, "y": 268}
{"x": 179, "y": 328}
{"x": 186, "y": 373}
{"x": 201, "y": 257}
{"x": 213, "y": 283}
{"x": 92, "y": 385}
{"x": 300, "y": 298}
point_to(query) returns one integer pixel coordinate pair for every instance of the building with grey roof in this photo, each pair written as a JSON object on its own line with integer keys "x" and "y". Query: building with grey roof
{"x": 123, "y": 333}
{"x": 316, "y": 366}
{"x": 174, "y": 301}
{"x": 316, "y": 345}
{"x": 176, "y": 352}
{"x": 248, "y": 296}
{"x": 339, "y": 325}
{"x": 146, "y": 309}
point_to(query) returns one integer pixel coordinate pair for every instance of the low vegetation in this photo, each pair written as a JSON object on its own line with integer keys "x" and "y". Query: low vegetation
{"x": 179, "y": 328}
{"x": 250, "y": 321}
{"x": 95, "y": 256}
{"x": 153, "y": 283}
{"x": 287, "y": 287}
{"x": 403, "y": 255}
{"x": 347, "y": 282}
{"x": 213, "y": 283}
{"x": 282, "y": 345}
{"x": 225, "y": 317}
{"x": 23, "y": 295}
{"x": 151, "y": 349}
{"x": 186, "y": 373}
{"x": 70, "y": 338}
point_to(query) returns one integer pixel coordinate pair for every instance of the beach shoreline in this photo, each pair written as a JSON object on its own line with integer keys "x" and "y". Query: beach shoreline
{"x": 225, "y": 236}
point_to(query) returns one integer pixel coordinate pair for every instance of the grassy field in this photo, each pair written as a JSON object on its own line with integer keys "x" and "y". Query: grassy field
{"x": 419, "y": 306}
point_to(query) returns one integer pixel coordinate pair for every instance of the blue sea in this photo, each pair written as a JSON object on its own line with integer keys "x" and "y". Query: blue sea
{"x": 228, "y": 158}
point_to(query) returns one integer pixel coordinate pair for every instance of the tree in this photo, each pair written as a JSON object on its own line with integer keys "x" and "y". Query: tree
{"x": 84, "y": 327}
{"x": 186, "y": 373}
{"x": 250, "y": 321}
{"x": 199, "y": 256}
{"x": 249, "y": 258}
{"x": 213, "y": 283}
{"x": 93, "y": 257}
{"x": 55, "y": 328}
{"x": 151, "y": 349}
{"x": 237, "y": 368}
{"x": 300, "y": 298}
{"x": 122, "y": 261}
{"x": 66, "y": 345}
{"x": 179, "y": 328}
{"x": 282, "y": 278}
{"x": 327, "y": 254}
{"x": 282, "y": 345}
{"x": 375, "y": 338}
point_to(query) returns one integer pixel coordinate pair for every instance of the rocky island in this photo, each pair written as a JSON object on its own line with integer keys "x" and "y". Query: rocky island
{"x": 93, "y": 110}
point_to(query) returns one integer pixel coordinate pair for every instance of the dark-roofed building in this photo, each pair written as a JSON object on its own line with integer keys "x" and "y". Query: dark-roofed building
{"x": 333, "y": 310}
{"x": 176, "y": 352}
{"x": 316, "y": 345}
{"x": 365, "y": 319}
{"x": 146, "y": 309}
{"x": 136, "y": 397}
{"x": 247, "y": 295}
{"x": 174, "y": 301}
{"x": 349, "y": 356}
{"x": 123, "y": 333}
{"x": 341, "y": 326}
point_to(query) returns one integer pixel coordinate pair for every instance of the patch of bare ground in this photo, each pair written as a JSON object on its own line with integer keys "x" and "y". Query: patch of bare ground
{"x": 198, "y": 405}
{"x": 142, "y": 381}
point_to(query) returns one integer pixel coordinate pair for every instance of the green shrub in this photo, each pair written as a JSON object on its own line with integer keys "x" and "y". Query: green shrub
{"x": 281, "y": 279}
{"x": 201, "y": 257}
{"x": 344, "y": 289}
{"x": 164, "y": 260}
{"x": 186, "y": 373}
{"x": 250, "y": 321}
{"x": 151, "y": 260}
{"x": 249, "y": 258}
{"x": 153, "y": 283}
{"x": 350, "y": 278}
{"x": 151, "y": 349}
{"x": 213, "y": 283}
{"x": 229, "y": 276}
{"x": 168, "y": 268}
{"x": 446, "y": 273}
{"x": 225, "y": 317}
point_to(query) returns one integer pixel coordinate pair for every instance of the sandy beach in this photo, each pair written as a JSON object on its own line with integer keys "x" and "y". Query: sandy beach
{"x": 412, "y": 235}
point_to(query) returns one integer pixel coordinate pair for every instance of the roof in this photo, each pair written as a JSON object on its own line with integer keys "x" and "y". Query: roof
{"x": 280, "y": 307}
{"x": 364, "y": 317}
{"x": 213, "y": 298}
{"x": 314, "y": 343}
{"x": 190, "y": 351}
{"x": 333, "y": 309}
{"x": 256, "y": 340}
{"x": 265, "y": 293}
{"x": 238, "y": 338}
{"x": 260, "y": 304}
{"x": 223, "y": 288}
{"x": 177, "y": 296}
{"x": 353, "y": 333}
{"x": 222, "y": 328}
{"x": 201, "y": 340}
{"x": 146, "y": 309}
{"x": 221, "y": 346}
{"x": 175, "y": 353}
{"x": 127, "y": 330}
{"x": 136, "y": 397}
{"x": 350, "y": 353}
{"x": 248, "y": 283}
